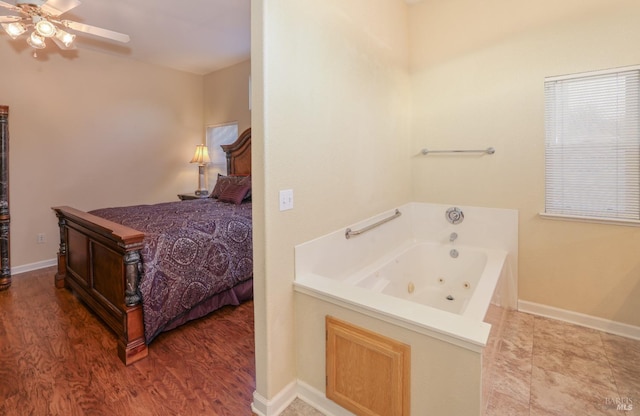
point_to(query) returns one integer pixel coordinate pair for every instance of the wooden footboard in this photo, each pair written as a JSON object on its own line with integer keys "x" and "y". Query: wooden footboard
{"x": 100, "y": 261}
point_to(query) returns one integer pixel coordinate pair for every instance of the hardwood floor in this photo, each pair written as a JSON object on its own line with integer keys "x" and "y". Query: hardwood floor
{"x": 57, "y": 358}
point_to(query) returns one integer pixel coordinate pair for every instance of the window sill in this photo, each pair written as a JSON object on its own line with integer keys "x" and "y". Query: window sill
{"x": 594, "y": 220}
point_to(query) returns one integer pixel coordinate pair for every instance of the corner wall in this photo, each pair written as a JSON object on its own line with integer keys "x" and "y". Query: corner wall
{"x": 92, "y": 130}
{"x": 226, "y": 96}
{"x": 330, "y": 112}
{"x": 477, "y": 72}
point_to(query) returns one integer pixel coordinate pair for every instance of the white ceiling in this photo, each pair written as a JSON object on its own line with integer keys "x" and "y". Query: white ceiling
{"x": 198, "y": 36}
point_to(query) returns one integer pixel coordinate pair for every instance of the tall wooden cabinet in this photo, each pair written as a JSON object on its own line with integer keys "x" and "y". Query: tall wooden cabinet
{"x": 5, "y": 266}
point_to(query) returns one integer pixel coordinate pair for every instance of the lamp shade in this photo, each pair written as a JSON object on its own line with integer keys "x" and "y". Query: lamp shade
{"x": 201, "y": 157}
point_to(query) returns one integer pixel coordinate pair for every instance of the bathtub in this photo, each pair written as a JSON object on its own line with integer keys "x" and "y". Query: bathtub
{"x": 403, "y": 280}
{"x": 452, "y": 278}
{"x": 407, "y": 271}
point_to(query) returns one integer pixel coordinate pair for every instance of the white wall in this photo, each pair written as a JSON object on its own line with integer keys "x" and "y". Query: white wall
{"x": 477, "y": 71}
{"x": 330, "y": 109}
{"x": 227, "y": 96}
{"x": 331, "y": 81}
{"x": 90, "y": 132}
{"x": 226, "y": 100}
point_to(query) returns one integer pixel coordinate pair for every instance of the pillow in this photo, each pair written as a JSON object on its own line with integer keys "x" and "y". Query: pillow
{"x": 247, "y": 181}
{"x": 234, "y": 193}
{"x": 224, "y": 181}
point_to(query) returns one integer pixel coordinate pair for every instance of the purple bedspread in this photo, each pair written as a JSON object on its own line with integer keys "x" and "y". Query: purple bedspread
{"x": 192, "y": 250}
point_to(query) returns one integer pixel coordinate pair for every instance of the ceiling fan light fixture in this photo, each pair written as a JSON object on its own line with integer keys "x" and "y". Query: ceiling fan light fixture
{"x": 65, "y": 37}
{"x": 36, "y": 41}
{"x": 14, "y": 29}
{"x": 40, "y": 20}
{"x": 45, "y": 28}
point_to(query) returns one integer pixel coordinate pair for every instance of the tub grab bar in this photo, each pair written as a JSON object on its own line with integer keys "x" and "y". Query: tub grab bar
{"x": 488, "y": 150}
{"x": 350, "y": 233}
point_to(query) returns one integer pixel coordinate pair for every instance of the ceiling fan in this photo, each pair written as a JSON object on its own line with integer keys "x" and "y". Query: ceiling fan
{"x": 42, "y": 17}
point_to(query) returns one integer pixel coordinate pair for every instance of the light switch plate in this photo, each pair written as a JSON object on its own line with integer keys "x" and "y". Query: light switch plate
{"x": 286, "y": 199}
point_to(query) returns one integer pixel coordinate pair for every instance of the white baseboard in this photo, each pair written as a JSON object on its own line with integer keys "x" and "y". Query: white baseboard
{"x": 319, "y": 401}
{"x": 297, "y": 389}
{"x": 262, "y": 406}
{"x": 33, "y": 266}
{"x": 594, "y": 322}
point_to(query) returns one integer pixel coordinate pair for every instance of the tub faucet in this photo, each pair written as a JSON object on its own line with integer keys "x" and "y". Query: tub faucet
{"x": 453, "y": 237}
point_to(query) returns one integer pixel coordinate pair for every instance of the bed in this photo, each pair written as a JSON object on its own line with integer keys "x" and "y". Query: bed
{"x": 147, "y": 269}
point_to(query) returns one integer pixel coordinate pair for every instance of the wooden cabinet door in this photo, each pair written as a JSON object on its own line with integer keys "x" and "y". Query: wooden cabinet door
{"x": 367, "y": 373}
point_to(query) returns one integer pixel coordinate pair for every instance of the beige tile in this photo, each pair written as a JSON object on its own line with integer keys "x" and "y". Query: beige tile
{"x": 495, "y": 315}
{"x": 536, "y": 411}
{"x": 511, "y": 374}
{"x": 487, "y": 376}
{"x": 559, "y": 394}
{"x": 300, "y": 408}
{"x": 573, "y": 351}
{"x": 562, "y": 335}
{"x": 501, "y": 404}
{"x": 573, "y": 370}
{"x": 512, "y": 351}
{"x": 518, "y": 328}
{"x": 591, "y": 367}
{"x": 624, "y": 356}
{"x": 625, "y": 349}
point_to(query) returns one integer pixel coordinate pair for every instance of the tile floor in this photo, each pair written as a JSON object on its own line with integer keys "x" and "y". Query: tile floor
{"x": 537, "y": 366}
{"x": 542, "y": 367}
{"x": 300, "y": 408}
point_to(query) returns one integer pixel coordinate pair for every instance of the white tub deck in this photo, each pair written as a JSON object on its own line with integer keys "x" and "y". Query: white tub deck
{"x": 339, "y": 270}
{"x": 465, "y": 329}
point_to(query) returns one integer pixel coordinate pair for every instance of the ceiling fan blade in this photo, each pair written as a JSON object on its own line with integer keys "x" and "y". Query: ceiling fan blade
{"x": 10, "y": 6}
{"x": 9, "y": 19}
{"x": 57, "y": 7}
{"x": 97, "y": 31}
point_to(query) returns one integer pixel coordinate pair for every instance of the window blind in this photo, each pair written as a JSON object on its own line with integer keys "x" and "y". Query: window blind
{"x": 217, "y": 136}
{"x": 592, "y": 146}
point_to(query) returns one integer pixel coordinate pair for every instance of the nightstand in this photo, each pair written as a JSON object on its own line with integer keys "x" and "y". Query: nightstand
{"x": 184, "y": 197}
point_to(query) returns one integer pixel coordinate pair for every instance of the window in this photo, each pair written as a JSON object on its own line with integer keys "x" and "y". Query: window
{"x": 216, "y": 136}
{"x": 592, "y": 146}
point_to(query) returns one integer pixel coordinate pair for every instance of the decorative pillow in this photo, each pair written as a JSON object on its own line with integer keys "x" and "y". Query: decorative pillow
{"x": 247, "y": 181}
{"x": 224, "y": 181}
{"x": 234, "y": 193}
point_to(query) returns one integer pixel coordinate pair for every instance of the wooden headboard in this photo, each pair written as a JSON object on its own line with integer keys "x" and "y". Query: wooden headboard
{"x": 239, "y": 155}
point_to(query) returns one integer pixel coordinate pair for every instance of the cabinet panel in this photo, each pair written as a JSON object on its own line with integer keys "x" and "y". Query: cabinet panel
{"x": 367, "y": 373}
